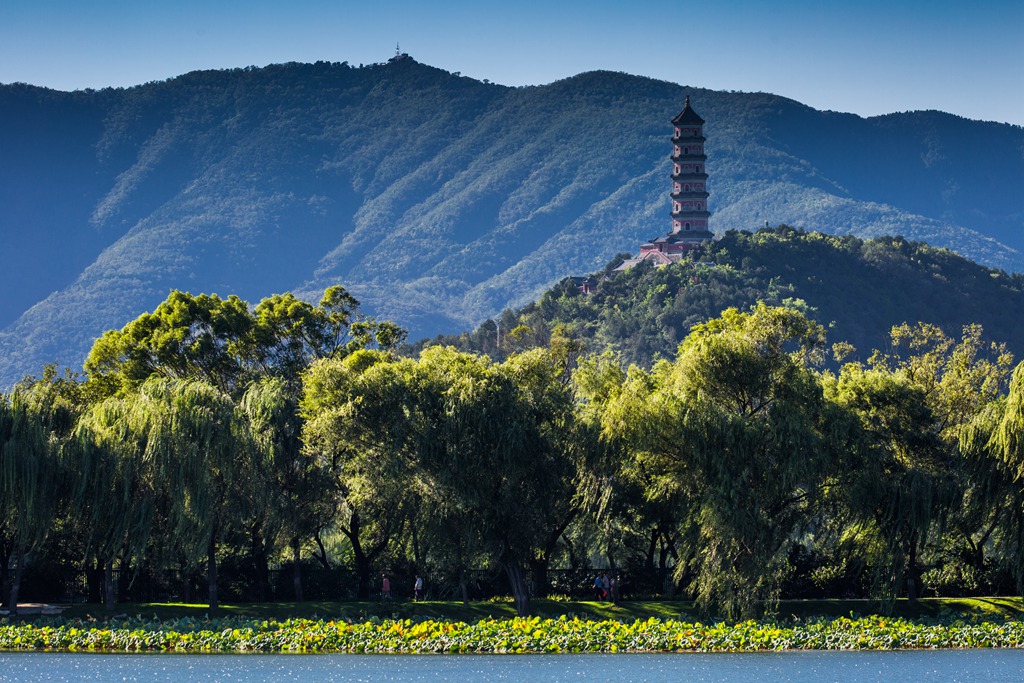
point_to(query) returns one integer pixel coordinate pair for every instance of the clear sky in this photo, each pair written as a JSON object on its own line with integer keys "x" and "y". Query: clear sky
{"x": 868, "y": 57}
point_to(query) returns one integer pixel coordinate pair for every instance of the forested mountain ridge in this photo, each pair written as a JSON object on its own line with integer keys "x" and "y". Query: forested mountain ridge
{"x": 436, "y": 199}
{"x": 858, "y": 289}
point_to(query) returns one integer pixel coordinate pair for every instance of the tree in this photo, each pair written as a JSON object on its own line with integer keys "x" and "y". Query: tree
{"x": 736, "y": 431}
{"x": 640, "y": 513}
{"x": 485, "y": 450}
{"x": 119, "y": 491}
{"x": 224, "y": 343}
{"x": 898, "y": 484}
{"x": 914, "y": 403}
{"x": 994, "y": 443}
{"x": 290, "y": 333}
{"x": 203, "y": 458}
{"x": 477, "y": 458}
{"x": 35, "y": 422}
{"x": 358, "y": 415}
{"x": 548, "y": 473}
{"x": 187, "y": 337}
{"x": 292, "y": 492}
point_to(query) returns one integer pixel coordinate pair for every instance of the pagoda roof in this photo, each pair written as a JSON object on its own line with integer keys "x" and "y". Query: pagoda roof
{"x": 687, "y": 116}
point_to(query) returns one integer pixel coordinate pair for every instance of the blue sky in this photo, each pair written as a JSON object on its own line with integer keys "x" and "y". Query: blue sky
{"x": 869, "y": 57}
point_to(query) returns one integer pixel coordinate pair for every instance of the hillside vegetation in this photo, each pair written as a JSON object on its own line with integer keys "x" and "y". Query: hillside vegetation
{"x": 859, "y": 289}
{"x": 436, "y": 199}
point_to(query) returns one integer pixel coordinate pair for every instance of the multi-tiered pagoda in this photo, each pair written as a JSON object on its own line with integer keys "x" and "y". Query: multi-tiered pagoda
{"x": 689, "y": 194}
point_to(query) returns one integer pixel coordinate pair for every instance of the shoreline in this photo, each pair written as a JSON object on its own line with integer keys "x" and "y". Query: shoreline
{"x": 528, "y": 635}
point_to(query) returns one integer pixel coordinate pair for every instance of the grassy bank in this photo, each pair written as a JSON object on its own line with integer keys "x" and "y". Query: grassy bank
{"x": 963, "y": 608}
{"x": 518, "y": 635}
{"x": 490, "y": 627}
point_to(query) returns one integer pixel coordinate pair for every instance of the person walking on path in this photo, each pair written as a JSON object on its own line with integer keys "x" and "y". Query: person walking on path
{"x": 385, "y": 587}
{"x": 417, "y": 589}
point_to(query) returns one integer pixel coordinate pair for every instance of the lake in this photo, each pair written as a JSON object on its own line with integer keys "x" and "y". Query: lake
{"x": 947, "y": 666}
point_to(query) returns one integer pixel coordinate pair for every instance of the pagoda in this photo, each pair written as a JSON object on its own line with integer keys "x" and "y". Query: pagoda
{"x": 689, "y": 194}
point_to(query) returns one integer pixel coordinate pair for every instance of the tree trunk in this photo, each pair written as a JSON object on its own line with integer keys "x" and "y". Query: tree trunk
{"x": 539, "y": 576}
{"x": 539, "y": 564}
{"x": 19, "y": 570}
{"x": 663, "y": 574}
{"x": 297, "y": 568}
{"x": 94, "y": 581}
{"x": 978, "y": 549}
{"x": 463, "y": 587}
{"x": 123, "y": 585}
{"x": 186, "y": 584}
{"x": 322, "y": 556}
{"x": 261, "y": 564}
{"x": 5, "y": 573}
{"x": 912, "y": 569}
{"x": 417, "y": 555}
{"x": 361, "y": 559}
{"x": 650, "y": 571}
{"x": 108, "y": 584}
{"x": 5, "y": 585}
{"x": 571, "y": 551}
{"x": 211, "y": 572}
{"x": 517, "y": 582}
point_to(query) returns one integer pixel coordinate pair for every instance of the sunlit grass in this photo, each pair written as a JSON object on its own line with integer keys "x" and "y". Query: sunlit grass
{"x": 994, "y": 607}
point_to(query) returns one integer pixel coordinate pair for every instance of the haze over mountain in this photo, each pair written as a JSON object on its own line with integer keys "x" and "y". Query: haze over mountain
{"x": 438, "y": 200}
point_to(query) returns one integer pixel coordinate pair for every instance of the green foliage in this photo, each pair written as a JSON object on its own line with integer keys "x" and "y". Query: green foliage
{"x": 224, "y": 343}
{"x": 37, "y": 470}
{"x": 740, "y": 471}
{"x": 738, "y": 433}
{"x": 486, "y": 452}
{"x": 858, "y": 289}
{"x": 439, "y": 199}
{"x": 520, "y": 635}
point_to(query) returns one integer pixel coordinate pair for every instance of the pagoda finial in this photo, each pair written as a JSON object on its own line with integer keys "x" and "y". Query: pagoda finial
{"x": 686, "y": 102}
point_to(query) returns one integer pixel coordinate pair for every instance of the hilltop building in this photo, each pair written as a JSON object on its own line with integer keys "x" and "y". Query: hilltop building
{"x": 689, "y": 195}
{"x": 689, "y": 201}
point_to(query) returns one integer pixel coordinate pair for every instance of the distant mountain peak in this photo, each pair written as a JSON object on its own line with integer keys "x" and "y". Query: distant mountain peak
{"x": 438, "y": 200}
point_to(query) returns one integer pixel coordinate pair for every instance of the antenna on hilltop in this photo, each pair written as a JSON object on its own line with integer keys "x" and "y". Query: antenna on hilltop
{"x": 398, "y": 50}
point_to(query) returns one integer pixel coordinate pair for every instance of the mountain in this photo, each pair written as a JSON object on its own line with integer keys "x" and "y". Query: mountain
{"x": 858, "y": 289}
{"x": 438, "y": 200}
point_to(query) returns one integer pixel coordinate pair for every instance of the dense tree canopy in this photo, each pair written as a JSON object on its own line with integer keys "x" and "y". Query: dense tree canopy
{"x": 213, "y": 436}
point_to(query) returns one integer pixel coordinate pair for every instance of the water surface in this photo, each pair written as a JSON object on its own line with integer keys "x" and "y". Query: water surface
{"x": 946, "y": 666}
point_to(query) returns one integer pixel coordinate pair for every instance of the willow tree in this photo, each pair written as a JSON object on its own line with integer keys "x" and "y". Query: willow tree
{"x": 293, "y": 495}
{"x": 118, "y": 493}
{"x": 483, "y": 451}
{"x": 35, "y": 421}
{"x": 557, "y": 459}
{"x": 481, "y": 459}
{"x": 915, "y": 402}
{"x": 738, "y": 431}
{"x": 203, "y": 461}
{"x": 901, "y": 483}
{"x": 639, "y": 511}
{"x": 499, "y": 458}
{"x": 994, "y": 442}
{"x": 228, "y": 344}
{"x": 289, "y": 334}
